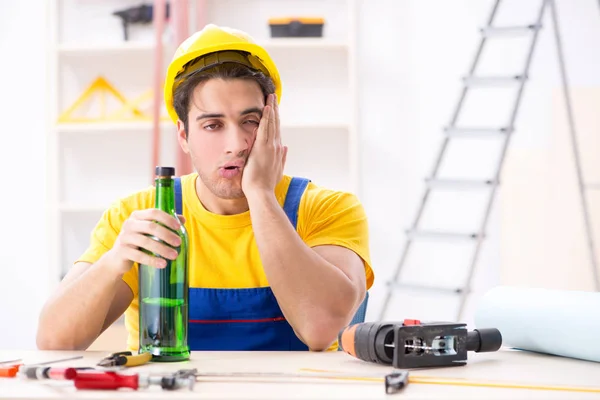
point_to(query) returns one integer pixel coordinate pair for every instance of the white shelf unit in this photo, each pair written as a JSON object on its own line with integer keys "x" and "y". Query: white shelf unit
{"x": 79, "y": 49}
{"x": 92, "y": 164}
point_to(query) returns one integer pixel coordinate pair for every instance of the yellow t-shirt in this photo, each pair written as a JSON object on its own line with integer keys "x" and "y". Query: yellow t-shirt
{"x": 222, "y": 248}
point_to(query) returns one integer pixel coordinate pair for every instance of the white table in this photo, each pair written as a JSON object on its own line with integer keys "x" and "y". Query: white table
{"x": 505, "y": 365}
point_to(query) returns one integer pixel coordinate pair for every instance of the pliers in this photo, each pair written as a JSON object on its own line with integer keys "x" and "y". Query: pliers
{"x": 125, "y": 359}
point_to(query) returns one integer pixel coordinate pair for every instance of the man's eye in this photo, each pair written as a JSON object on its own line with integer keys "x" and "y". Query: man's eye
{"x": 211, "y": 127}
{"x": 252, "y": 121}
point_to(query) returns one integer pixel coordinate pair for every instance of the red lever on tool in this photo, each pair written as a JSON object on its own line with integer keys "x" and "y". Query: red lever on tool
{"x": 106, "y": 380}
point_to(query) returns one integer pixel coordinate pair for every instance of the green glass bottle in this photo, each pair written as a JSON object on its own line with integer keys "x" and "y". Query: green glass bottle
{"x": 163, "y": 292}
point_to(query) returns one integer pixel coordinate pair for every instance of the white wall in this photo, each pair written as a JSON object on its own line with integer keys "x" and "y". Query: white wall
{"x": 411, "y": 62}
{"x": 23, "y": 269}
{"x": 413, "y": 54}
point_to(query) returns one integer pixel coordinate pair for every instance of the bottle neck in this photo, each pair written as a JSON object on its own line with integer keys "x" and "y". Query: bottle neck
{"x": 165, "y": 194}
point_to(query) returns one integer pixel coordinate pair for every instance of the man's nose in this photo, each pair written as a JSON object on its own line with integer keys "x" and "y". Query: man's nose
{"x": 238, "y": 140}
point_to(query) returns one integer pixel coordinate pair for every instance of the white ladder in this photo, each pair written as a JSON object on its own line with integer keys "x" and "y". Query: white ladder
{"x": 472, "y": 80}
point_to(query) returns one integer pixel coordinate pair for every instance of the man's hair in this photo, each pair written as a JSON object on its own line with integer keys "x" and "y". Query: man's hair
{"x": 227, "y": 71}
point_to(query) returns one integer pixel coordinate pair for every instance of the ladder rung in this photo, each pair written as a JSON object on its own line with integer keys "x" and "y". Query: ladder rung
{"x": 460, "y": 183}
{"x": 477, "y": 132}
{"x": 419, "y": 234}
{"x": 473, "y": 81}
{"x": 424, "y": 287}
{"x": 498, "y": 31}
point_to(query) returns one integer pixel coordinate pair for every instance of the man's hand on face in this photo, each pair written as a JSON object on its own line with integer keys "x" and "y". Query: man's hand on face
{"x": 265, "y": 164}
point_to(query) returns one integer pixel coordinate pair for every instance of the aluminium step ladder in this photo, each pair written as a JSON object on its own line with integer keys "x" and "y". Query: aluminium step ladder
{"x": 472, "y": 80}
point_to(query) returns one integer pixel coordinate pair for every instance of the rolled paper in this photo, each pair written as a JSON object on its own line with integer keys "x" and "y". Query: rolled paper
{"x": 558, "y": 322}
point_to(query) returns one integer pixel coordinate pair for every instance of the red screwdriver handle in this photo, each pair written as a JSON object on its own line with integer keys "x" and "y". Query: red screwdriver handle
{"x": 105, "y": 381}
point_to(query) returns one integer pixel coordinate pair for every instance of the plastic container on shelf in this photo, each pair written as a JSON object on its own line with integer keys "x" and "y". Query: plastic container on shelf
{"x": 296, "y": 27}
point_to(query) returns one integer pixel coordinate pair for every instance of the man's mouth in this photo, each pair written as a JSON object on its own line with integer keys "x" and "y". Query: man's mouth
{"x": 232, "y": 165}
{"x": 231, "y": 171}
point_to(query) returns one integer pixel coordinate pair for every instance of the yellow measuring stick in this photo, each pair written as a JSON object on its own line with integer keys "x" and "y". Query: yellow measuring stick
{"x": 433, "y": 380}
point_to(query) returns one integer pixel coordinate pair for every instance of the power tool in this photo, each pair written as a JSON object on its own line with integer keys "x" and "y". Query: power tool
{"x": 142, "y": 14}
{"x": 412, "y": 344}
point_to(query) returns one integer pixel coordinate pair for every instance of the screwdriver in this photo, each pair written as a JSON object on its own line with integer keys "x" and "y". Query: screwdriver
{"x": 9, "y": 371}
{"x": 110, "y": 380}
{"x": 106, "y": 380}
{"x": 35, "y": 371}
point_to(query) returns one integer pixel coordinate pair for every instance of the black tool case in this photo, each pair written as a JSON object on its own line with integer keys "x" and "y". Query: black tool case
{"x": 296, "y": 27}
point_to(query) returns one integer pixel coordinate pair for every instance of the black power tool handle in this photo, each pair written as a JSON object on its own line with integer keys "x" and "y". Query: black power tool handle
{"x": 484, "y": 340}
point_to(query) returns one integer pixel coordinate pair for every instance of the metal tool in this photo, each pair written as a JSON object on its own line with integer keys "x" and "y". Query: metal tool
{"x": 180, "y": 379}
{"x": 413, "y": 344}
{"x": 395, "y": 382}
{"x": 125, "y": 359}
{"x": 109, "y": 380}
{"x": 55, "y": 361}
{"x": 454, "y": 131}
{"x": 142, "y": 14}
{"x": 10, "y": 361}
{"x": 289, "y": 375}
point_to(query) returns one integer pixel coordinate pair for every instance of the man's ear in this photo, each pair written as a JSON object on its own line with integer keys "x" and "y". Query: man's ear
{"x": 182, "y": 137}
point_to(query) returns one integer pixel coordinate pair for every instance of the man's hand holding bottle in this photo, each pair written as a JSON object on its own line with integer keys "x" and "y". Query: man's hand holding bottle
{"x": 137, "y": 240}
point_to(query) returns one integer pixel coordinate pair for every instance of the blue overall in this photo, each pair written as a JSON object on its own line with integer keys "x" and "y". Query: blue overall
{"x": 247, "y": 318}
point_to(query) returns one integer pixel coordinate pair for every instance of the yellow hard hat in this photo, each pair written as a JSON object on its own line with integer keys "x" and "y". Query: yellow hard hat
{"x": 227, "y": 42}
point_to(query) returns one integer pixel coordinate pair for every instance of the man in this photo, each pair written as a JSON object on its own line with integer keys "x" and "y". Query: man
{"x": 275, "y": 263}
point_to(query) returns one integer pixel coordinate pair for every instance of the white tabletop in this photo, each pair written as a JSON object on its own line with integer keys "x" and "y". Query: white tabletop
{"x": 509, "y": 366}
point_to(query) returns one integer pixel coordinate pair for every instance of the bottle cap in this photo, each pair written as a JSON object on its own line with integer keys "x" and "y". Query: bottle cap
{"x": 165, "y": 171}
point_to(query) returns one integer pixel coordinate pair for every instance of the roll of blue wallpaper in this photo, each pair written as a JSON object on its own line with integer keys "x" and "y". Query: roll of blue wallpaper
{"x": 558, "y": 322}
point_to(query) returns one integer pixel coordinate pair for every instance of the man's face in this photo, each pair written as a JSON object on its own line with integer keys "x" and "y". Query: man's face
{"x": 222, "y": 123}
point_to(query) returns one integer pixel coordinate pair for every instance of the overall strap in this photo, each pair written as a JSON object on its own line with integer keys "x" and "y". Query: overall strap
{"x": 293, "y": 197}
{"x": 178, "y": 196}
